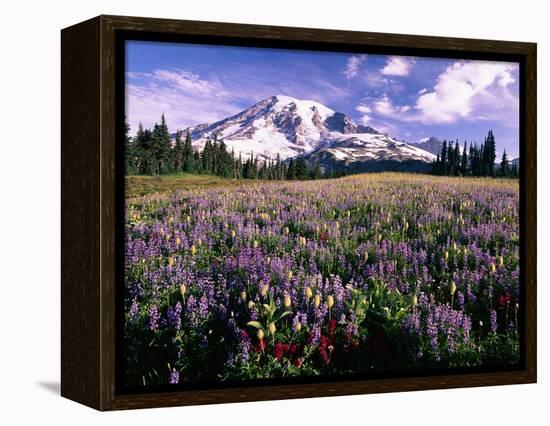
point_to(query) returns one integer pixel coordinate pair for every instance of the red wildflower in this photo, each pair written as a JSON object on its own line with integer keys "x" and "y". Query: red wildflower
{"x": 504, "y": 299}
{"x": 325, "y": 349}
{"x": 298, "y": 362}
{"x": 279, "y": 351}
{"x": 260, "y": 346}
{"x": 332, "y": 327}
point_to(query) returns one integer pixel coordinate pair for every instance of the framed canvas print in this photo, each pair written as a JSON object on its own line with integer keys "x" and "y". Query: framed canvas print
{"x": 254, "y": 212}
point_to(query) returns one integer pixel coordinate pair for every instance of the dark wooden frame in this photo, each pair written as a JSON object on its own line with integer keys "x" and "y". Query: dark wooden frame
{"x": 89, "y": 200}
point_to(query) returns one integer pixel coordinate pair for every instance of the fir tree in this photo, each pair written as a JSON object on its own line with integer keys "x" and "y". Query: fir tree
{"x": 197, "y": 163}
{"x": 317, "y": 171}
{"x": 143, "y": 150}
{"x": 444, "y": 165}
{"x": 436, "y": 168}
{"x": 178, "y": 153}
{"x": 291, "y": 172}
{"x": 456, "y": 160}
{"x": 489, "y": 155}
{"x": 188, "y": 157}
{"x": 302, "y": 172}
{"x": 161, "y": 150}
{"x": 464, "y": 161}
{"x": 504, "y": 165}
{"x": 129, "y": 152}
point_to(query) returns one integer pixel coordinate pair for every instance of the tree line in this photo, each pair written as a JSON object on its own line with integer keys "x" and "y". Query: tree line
{"x": 151, "y": 152}
{"x": 475, "y": 161}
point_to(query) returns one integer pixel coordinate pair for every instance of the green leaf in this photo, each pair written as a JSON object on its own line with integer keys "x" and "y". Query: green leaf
{"x": 284, "y": 314}
{"x": 267, "y": 311}
{"x": 255, "y": 324}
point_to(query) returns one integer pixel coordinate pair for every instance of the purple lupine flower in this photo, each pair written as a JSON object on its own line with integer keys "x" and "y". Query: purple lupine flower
{"x": 226, "y": 221}
{"x": 153, "y": 318}
{"x": 493, "y": 321}
{"x": 174, "y": 315}
{"x": 174, "y": 377}
{"x": 134, "y": 309}
{"x": 203, "y": 307}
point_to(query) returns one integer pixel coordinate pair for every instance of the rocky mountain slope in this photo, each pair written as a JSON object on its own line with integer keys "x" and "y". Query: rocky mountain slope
{"x": 288, "y": 127}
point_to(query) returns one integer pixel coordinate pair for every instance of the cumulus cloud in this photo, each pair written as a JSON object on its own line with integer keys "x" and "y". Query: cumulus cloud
{"x": 462, "y": 87}
{"x": 365, "y": 113}
{"x": 364, "y": 109}
{"x": 384, "y": 105}
{"x": 398, "y": 66}
{"x": 353, "y": 64}
{"x": 465, "y": 90}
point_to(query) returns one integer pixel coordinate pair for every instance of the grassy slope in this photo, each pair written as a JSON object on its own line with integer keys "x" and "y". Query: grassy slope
{"x": 142, "y": 185}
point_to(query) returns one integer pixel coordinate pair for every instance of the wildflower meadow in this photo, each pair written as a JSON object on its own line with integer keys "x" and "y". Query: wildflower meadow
{"x": 276, "y": 279}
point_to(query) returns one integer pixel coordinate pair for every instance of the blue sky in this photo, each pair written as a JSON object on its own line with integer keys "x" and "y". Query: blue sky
{"x": 410, "y": 98}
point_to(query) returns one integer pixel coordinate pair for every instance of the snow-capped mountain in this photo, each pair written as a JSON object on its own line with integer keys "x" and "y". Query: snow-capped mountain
{"x": 431, "y": 144}
{"x": 288, "y": 127}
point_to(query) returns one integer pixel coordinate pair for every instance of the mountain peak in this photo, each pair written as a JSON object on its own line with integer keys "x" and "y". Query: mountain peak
{"x": 301, "y": 106}
{"x": 288, "y": 127}
{"x": 283, "y": 98}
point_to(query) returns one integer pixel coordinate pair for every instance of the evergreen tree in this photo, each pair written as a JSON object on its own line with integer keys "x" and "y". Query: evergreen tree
{"x": 489, "y": 155}
{"x": 178, "y": 153}
{"x": 240, "y": 166}
{"x": 444, "y": 165}
{"x": 279, "y": 175}
{"x": 254, "y": 162}
{"x": 161, "y": 149}
{"x": 197, "y": 163}
{"x": 436, "y": 168}
{"x": 188, "y": 157}
{"x": 302, "y": 172}
{"x": 207, "y": 157}
{"x": 291, "y": 172}
{"x": 129, "y": 151}
{"x": 472, "y": 163}
{"x": 514, "y": 170}
{"x": 143, "y": 151}
{"x": 481, "y": 161}
{"x": 504, "y": 165}
{"x": 464, "y": 161}
{"x": 456, "y": 160}
{"x": 317, "y": 171}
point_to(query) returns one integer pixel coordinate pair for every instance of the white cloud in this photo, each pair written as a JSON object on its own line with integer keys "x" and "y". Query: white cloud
{"x": 460, "y": 88}
{"x": 398, "y": 66}
{"x": 183, "y": 97}
{"x": 506, "y": 79}
{"x": 365, "y": 119}
{"x": 466, "y": 90}
{"x": 364, "y": 109}
{"x": 384, "y": 105}
{"x": 187, "y": 98}
{"x": 190, "y": 83}
{"x": 353, "y": 64}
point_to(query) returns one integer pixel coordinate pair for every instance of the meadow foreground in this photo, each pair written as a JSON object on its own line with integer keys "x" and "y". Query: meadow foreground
{"x": 376, "y": 272}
